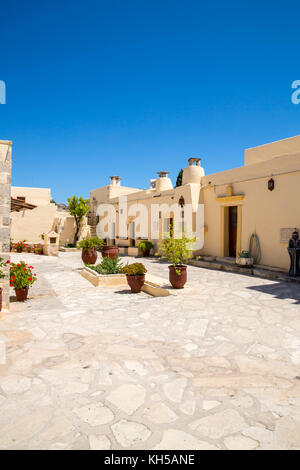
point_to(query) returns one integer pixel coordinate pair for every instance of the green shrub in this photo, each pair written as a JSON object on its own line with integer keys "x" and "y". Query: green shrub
{"x": 108, "y": 266}
{"x": 92, "y": 242}
{"x": 134, "y": 269}
{"x": 176, "y": 250}
{"x": 145, "y": 245}
{"x": 70, "y": 245}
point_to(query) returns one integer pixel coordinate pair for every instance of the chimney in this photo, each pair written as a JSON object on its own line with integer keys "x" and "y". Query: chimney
{"x": 163, "y": 181}
{"x": 162, "y": 174}
{"x": 194, "y": 160}
{"x": 115, "y": 181}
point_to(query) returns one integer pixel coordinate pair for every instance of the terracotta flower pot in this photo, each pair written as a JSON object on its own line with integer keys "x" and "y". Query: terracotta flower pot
{"x": 178, "y": 280}
{"x": 136, "y": 282}
{"x": 145, "y": 253}
{"x": 89, "y": 256}
{"x": 0, "y": 299}
{"x": 110, "y": 251}
{"x": 21, "y": 294}
{"x": 19, "y": 249}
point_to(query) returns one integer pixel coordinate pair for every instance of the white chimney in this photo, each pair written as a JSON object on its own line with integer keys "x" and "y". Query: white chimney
{"x": 115, "y": 181}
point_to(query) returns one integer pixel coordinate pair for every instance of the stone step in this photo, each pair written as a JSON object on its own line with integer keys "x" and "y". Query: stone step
{"x": 93, "y": 230}
{"x": 258, "y": 271}
{"x": 226, "y": 259}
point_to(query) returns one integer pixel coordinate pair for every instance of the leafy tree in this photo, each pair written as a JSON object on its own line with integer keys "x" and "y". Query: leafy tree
{"x": 179, "y": 178}
{"x": 78, "y": 207}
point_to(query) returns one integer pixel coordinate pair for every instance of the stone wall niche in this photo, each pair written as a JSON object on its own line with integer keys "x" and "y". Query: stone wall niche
{"x": 51, "y": 243}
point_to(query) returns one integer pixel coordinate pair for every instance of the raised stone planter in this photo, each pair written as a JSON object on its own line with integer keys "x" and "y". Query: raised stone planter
{"x": 153, "y": 285}
{"x": 104, "y": 280}
{"x": 67, "y": 250}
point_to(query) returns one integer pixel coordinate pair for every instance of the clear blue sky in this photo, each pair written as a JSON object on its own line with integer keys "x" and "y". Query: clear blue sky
{"x": 96, "y": 88}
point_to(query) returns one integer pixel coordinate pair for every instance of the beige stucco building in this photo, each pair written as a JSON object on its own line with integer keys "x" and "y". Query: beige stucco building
{"x": 257, "y": 201}
{"x": 35, "y": 196}
{"x": 46, "y": 216}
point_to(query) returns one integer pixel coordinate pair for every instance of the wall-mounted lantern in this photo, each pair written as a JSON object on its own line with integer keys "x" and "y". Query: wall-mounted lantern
{"x": 181, "y": 202}
{"x": 271, "y": 184}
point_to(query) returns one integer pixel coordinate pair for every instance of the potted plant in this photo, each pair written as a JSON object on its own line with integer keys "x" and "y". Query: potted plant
{"x": 19, "y": 246}
{"x": 88, "y": 247}
{"x": 21, "y": 278}
{"x": 145, "y": 247}
{"x": 135, "y": 274}
{"x": 38, "y": 249}
{"x": 176, "y": 251}
{"x": 2, "y": 275}
{"x": 111, "y": 251}
{"x": 244, "y": 259}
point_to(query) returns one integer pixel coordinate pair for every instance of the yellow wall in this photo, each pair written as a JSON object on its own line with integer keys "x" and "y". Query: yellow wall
{"x": 30, "y": 224}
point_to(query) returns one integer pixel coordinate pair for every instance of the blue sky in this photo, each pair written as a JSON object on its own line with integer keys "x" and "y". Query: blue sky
{"x": 97, "y": 88}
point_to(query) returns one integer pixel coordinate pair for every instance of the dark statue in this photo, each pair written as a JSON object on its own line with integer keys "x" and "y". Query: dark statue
{"x": 294, "y": 252}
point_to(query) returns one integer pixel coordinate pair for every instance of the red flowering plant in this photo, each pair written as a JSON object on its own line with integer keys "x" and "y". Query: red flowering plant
{"x": 21, "y": 275}
{"x": 20, "y": 246}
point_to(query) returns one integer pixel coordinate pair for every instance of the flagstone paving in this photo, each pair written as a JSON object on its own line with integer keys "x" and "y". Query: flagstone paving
{"x": 214, "y": 366}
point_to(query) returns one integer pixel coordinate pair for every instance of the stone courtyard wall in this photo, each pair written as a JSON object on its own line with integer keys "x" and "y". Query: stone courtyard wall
{"x": 5, "y": 191}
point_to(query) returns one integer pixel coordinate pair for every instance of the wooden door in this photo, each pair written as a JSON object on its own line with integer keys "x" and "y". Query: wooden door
{"x": 232, "y": 226}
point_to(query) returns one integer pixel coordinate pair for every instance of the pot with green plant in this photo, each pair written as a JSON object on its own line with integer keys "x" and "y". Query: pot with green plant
{"x": 88, "y": 247}
{"x": 144, "y": 247}
{"x": 177, "y": 251}
{"x": 244, "y": 259}
{"x": 110, "y": 251}
{"x": 135, "y": 274}
{"x": 21, "y": 278}
{"x": 37, "y": 249}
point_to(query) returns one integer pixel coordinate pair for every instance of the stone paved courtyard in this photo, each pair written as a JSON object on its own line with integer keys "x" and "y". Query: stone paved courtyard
{"x": 214, "y": 366}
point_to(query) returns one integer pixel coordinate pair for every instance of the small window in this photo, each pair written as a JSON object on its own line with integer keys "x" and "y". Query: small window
{"x": 52, "y": 239}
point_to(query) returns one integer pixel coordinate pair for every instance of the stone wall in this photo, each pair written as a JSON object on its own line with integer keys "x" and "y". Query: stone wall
{"x": 5, "y": 188}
